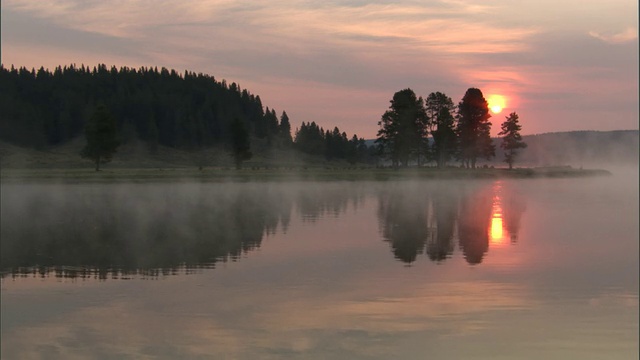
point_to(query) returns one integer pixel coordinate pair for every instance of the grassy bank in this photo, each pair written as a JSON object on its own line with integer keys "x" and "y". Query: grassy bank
{"x": 134, "y": 162}
{"x": 279, "y": 174}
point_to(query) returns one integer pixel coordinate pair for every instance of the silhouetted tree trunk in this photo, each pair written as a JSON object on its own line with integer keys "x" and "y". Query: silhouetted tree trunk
{"x": 240, "y": 143}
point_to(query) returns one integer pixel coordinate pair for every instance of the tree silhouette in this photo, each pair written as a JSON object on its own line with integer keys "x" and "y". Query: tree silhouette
{"x": 474, "y": 128}
{"x": 285, "y": 130}
{"x": 439, "y": 108}
{"x": 511, "y": 138}
{"x": 159, "y": 106}
{"x": 101, "y": 136}
{"x": 403, "y": 127}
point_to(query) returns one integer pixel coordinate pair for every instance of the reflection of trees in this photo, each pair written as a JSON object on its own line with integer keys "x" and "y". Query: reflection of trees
{"x": 152, "y": 229}
{"x": 424, "y": 218}
{"x": 403, "y": 222}
{"x": 119, "y": 230}
{"x": 474, "y": 221}
{"x": 316, "y": 200}
{"x": 513, "y": 207}
{"x": 440, "y": 243}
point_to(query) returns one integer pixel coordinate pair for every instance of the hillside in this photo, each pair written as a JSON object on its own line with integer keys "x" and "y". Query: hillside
{"x": 180, "y": 113}
{"x": 138, "y": 155}
{"x": 577, "y": 148}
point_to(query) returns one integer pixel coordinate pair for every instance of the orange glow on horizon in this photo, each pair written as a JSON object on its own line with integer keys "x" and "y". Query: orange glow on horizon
{"x": 496, "y": 103}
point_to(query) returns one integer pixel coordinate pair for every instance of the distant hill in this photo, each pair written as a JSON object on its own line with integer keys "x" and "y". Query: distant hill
{"x": 44, "y": 111}
{"x": 40, "y": 109}
{"x": 577, "y": 148}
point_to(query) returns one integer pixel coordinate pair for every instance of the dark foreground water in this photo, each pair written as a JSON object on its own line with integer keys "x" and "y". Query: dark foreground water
{"x": 510, "y": 269}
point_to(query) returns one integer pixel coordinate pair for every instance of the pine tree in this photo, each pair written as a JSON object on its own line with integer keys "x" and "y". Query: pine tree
{"x": 403, "y": 127}
{"x": 439, "y": 108}
{"x": 285, "y": 130}
{"x": 474, "y": 128}
{"x": 101, "y": 135}
{"x": 511, "y": 138}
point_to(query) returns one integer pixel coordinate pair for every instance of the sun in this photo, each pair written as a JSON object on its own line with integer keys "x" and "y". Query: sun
{"x": 496, "y": 103}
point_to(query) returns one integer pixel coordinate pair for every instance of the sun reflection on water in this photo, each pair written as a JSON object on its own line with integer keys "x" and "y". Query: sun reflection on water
{"x": 496, "y": 230}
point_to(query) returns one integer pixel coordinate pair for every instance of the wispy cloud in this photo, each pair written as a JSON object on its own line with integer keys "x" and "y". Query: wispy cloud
{"x": 347, "y": 48}
{"x": 630, "y": 34}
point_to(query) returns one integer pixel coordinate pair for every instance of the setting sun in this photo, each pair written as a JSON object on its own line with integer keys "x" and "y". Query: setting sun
{"x": 496, "y": 103}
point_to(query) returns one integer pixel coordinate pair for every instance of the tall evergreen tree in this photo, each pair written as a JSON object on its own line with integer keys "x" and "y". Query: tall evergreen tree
{"x": 474, "y": 128}
{"x": 285, "y": 130}
{"x": 310, "y": 139}
{"x": 101, "y": 135}
{"x": 403, "y": 127}
{"x": 511, "y": 138}
{"x": 439, "y": 108}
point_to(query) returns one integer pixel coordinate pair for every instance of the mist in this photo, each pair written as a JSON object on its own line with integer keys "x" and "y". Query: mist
{"x": 347, "y": 264}
{"x": 114, "y": 229}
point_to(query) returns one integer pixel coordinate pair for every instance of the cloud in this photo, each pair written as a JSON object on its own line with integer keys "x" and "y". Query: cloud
{"x": 284, "y": 49}
{"x": 628, "y": 35}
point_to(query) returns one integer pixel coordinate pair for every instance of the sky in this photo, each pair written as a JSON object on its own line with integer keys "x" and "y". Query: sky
{"x": 561, "y": 65}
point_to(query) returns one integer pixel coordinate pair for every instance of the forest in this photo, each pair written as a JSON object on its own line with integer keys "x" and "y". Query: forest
{"x": 194, "y": 111}
{"x": 186, "y": 111}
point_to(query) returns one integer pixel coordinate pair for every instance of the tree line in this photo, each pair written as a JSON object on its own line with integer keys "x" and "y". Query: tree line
{"x": 461, "y": 132}
{"x": 192, "y": 111}
{"x": 189, "y": 110}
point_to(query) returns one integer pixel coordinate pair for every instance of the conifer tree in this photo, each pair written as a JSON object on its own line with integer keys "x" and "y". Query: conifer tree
{"x": 403, "y": 127}
{"x": 101, "y": 134}
{"x": 474, "y": 128}
{"x": 439, "y": 108}
{"x": 511, "y": 138}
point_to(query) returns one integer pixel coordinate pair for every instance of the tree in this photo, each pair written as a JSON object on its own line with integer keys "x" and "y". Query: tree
{"x": 101, "y": 134}
{"x": 310, "y": 139}
{"x": 403, "y": 127}
{"x": 474, "y": 128}
{"x": 240, "y": 143}
{"x": 285, "y": 130}
{"x": 441, "y": 124}
{"x": 511, "y": 138}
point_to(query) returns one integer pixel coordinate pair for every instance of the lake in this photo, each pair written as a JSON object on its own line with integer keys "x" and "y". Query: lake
{"x": 415, "y": 269}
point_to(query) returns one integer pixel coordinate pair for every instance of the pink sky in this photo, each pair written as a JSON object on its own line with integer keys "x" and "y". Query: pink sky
{"x": 570, "y": 65}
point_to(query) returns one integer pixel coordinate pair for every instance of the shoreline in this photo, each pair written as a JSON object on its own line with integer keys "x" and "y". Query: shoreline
{"x": 89, "y": 175}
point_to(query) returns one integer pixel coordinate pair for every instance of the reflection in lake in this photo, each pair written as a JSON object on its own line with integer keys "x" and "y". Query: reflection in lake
{"x": 428, "y": 219}
{"x": 524, "y": 269}
{"x": 114, "y": 231}
{"x": 111, "y": 230}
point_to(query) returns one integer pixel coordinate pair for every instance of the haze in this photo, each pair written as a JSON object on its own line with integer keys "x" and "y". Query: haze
{"x": 319, "y": 270}
{"x": 562, "y": 66}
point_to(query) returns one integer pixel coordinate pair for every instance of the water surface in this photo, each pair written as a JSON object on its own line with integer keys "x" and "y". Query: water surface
{"x": 483, "y": 269}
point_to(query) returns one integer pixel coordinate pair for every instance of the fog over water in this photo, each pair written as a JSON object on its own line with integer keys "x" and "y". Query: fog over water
{"x": 511, "y": 268}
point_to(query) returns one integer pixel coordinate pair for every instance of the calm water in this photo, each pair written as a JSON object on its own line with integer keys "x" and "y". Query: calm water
{"x": 510, "y": 269}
